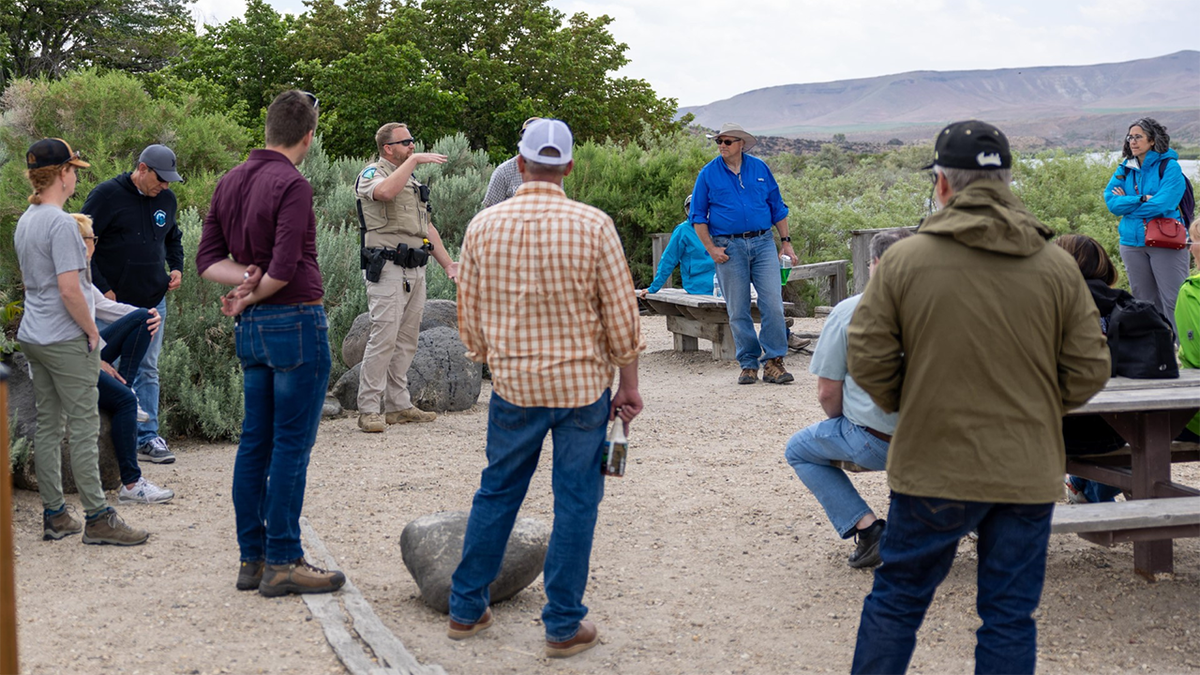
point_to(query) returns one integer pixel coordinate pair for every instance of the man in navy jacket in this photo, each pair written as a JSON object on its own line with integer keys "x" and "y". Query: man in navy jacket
{"x": 137, "y": 241}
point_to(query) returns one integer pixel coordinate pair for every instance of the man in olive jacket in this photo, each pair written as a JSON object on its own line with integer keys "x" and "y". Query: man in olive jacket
{"x": 981, "y": 335}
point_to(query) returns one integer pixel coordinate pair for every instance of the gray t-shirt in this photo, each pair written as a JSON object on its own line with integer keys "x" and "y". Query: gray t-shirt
{"x": 48, "y": 244}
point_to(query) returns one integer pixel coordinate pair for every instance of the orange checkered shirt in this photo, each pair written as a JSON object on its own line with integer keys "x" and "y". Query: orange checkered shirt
{"x": 545, "y": 298}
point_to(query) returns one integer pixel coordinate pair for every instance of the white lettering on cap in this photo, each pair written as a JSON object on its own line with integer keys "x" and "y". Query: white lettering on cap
{"x": 992, "y": 158}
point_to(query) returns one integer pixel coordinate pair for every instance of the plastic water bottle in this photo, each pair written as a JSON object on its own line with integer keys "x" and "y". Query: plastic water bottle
{"x": 612, "y": 461}
{"x": 717, "y": 287}
{"x": 785, "y": 267}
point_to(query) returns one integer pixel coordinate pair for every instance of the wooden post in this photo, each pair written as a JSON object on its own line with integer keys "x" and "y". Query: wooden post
{"x": 658, "y": 244}
{"x": 860, "y": 254}
{"x": 8, "y": 589}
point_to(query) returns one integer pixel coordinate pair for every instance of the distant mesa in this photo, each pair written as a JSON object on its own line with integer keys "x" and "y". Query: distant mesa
{"x": 1070, "y": 106}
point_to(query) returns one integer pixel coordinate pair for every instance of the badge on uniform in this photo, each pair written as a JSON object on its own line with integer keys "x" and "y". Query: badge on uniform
{"x": 160, "y": 218}
{"x": 369, "y": 173}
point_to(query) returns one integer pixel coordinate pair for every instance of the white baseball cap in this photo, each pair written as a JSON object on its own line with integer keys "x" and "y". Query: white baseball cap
{"x": 547, "y": 134}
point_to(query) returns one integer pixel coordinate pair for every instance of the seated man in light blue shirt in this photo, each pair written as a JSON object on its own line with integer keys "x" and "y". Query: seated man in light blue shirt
{"x": 856, "y": 431}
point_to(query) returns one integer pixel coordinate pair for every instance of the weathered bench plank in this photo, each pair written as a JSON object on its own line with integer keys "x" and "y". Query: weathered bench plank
{"x": 699, "y": 316}
{"x": 1128, "y": 515}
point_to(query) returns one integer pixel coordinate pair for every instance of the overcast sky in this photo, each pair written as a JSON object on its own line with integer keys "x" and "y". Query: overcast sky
{"x": 700, "y": 51}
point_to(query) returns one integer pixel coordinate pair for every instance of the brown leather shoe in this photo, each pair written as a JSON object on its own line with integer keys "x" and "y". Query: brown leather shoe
{"x": 585, "y": 639}
{"x": 462, "y": 631}
{"x": 298, "y": 576}
{"x": 775, "y": 373}
{"x": 748, "y": 376}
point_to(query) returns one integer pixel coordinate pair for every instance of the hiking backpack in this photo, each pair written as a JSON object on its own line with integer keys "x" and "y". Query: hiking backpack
{"x": 1141, "y": 341}
{"x": 1187, "y": 204}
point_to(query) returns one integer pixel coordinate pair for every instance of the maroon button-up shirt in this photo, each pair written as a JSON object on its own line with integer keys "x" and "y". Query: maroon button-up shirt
{"x": 262, "y": 214}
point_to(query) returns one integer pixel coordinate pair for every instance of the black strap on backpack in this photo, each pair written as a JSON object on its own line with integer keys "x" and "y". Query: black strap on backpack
{"x": 1187, "y": 203}
{"x": 1141, "y": 341}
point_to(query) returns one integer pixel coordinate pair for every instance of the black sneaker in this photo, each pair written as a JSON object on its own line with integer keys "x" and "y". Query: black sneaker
{"x": 866, "y": 553}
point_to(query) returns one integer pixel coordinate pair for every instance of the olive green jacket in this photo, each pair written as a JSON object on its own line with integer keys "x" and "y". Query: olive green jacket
{"x": 981, "y": 334}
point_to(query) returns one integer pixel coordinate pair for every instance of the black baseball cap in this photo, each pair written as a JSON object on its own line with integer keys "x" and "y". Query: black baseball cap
{"x": 52, "y": 152}
{"x": 161, "y": 160}
{"x": 971, "y": 145}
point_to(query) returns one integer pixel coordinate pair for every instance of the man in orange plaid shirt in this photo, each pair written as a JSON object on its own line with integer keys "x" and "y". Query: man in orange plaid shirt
{"x": 546, "y": 300}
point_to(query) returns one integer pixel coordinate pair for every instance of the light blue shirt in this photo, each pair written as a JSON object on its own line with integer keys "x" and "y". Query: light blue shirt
{"x": 829, "y": 362}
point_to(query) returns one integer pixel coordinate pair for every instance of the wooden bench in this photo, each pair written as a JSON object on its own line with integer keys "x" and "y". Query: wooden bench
{"x": 690, "y": 317}
{"x": 1109, "y": 523}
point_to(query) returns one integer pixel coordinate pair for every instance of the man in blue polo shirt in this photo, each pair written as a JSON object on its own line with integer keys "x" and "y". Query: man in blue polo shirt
{"x": 734, "y": 205}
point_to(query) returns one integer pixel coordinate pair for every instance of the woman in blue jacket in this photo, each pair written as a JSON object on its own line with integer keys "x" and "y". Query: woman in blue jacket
{"x": 685, "y": 250}
{"x": 1140, "y": 191}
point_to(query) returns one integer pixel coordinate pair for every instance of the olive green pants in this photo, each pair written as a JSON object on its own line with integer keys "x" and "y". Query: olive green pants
{"x": 64, "y": 384}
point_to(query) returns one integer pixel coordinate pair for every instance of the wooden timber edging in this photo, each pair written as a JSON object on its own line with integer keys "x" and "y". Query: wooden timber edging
{"x": 390, "y": 656}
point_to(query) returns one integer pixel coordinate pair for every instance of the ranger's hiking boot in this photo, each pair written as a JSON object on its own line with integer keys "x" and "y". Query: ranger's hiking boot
{"x": 748, "y": 376}
{"x": 587, "y": 637}
{"x": 372, "y": 423}
{"x": 866, "y": 551}
{"x": 298, "y": 577}
{"x": 250, "y": 574}
{"x": 775, "y": 373}
{"x": 413, "y": 414}
{"x": 60, "y": 524}
{"x": 107, "y": 527}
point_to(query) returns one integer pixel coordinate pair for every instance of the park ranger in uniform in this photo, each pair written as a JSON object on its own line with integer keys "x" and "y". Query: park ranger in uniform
{"x": 397, "y": 241}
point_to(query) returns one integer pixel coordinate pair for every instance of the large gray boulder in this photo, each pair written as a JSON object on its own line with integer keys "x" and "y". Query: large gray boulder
{"x": 441, "y": 377}
{"x": 355, "y": 342}
{"x": 345, "y": 390}
{"x": 439, "y": 314}
{"x": 431, "y": 547}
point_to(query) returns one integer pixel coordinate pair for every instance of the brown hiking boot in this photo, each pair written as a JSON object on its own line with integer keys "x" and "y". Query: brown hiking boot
{"x": 61, "y": 524}
{"x": 250, "y": 575}
{"x": 462, "y": 631}
{"x": 108, "y": 528}
{"x": 775, "y": 373}
{"x": 748, "y": 376}
{"x": 585, "y": 639}
{"x": 410, "y": 415}
{"x": 298, "y": 577}
{"x": 372, "y": 423}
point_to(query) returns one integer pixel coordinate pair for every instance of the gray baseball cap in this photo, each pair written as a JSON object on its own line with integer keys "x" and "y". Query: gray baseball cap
{"x": 161, "y": 159}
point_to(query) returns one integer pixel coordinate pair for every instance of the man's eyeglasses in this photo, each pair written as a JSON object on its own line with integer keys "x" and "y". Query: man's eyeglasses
{"x": 406, "y": 142}
{"x": 316, "y": 103}
{"x": 92, "y": 239}
{"x": 728, "y": 141}
{"x": 1134, "y": 137}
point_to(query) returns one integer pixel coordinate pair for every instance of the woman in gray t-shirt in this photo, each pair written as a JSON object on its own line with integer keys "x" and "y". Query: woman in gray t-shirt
{"x": 58, "y": 335}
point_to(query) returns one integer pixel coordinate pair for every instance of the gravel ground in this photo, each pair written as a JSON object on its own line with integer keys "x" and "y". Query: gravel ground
{"x": 710, "y": 557}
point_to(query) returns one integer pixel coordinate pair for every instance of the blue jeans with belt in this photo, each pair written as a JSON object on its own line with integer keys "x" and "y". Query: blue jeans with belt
{"x": 514, "y": 443}
{"x": 753, "y": 261}
{"x": 810, "y": 452}
{"x": 918, "y": 549}
{"x": 284, "y": 350}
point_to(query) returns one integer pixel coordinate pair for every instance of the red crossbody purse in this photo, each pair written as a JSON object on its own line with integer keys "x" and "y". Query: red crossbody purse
{"x": 1166, "y": 233}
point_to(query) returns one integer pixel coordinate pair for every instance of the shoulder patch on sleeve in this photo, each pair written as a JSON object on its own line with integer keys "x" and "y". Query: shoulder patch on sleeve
{"x": 369, "y": 173}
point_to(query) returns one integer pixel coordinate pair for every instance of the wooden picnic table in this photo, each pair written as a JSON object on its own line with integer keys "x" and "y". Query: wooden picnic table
{"x": 1148, "y": 414}
{"x": 690, "y": 317}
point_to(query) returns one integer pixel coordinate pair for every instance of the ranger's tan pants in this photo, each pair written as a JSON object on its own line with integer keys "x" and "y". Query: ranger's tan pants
{"x": 392, "y": 344}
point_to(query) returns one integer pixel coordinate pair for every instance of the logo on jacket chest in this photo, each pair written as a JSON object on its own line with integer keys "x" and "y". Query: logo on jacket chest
{"x": 160, "y": 218}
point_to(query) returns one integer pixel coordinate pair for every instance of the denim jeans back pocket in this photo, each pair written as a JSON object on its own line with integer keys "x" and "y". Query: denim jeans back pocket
{"x": 939, "y": 515}
{"x": 505, "y": 415}
{"x": 592, "y": 416}
{"x": 282, "y": 345}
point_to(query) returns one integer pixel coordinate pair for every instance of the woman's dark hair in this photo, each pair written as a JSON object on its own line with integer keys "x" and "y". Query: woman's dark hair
{"x": 1157, "y": 133}
{"x": 1091, "y": 257}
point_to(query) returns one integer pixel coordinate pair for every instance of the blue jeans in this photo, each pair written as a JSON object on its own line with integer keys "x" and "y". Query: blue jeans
{"x": 918, "y": 548}
{"x": 284, "y": 350}
{"x": 810, "y": 450}
{"x": 125, "y": 343}
{"x": 1094, "y": 492}
{"x": 146, "y": 383}
{"x": 514, "y": 443}
{"x": 753, "y": 261}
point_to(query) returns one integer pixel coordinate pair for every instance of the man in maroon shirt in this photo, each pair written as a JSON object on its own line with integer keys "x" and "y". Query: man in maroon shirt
{"x": 260, "y": 236}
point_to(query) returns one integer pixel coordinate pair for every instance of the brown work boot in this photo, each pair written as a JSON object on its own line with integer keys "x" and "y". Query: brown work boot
{"x": 298, "y": 577}
{"x": 410, "y": 415}
{"x": 372, "y": 423}
{"x": 775, "y": 373}
{"x": 59, "y": 525}
{"x": 250, "y": 575}
{"x": 462, "y": 631}
{"x": 748, "y": 376}
{"x": 585, "y": 639}
{"x": 108, "y": 528}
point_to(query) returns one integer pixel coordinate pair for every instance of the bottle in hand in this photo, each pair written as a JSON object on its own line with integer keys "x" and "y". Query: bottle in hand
{"x": 612, "y": 460}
